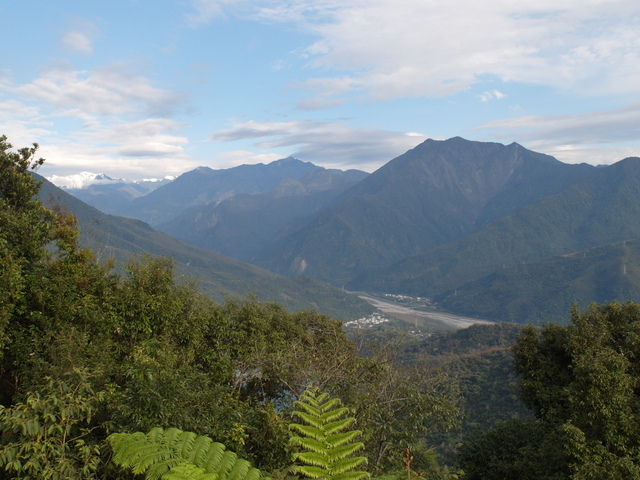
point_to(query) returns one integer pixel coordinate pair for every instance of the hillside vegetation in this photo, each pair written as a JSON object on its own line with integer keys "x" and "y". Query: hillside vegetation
{"x": 118, "y": 238}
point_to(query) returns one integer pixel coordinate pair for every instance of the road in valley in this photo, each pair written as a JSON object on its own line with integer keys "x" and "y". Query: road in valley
{"x": 411, "y": 315}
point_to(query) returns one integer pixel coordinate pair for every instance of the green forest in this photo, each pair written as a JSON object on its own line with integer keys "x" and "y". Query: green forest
{"x": 110, "y": 374}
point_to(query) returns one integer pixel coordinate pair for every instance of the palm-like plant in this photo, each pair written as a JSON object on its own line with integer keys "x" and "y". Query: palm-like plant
{"x": 327, "y": 445}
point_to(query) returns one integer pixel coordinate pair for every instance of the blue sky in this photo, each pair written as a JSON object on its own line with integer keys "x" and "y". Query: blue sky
{"x": 136, "y": 88}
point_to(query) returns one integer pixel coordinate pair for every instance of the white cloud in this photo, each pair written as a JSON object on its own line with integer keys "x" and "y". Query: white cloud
{"x": 324, "y": 143}
{"x": 131, "y": 150}
{"x": 12, "y": 109}
{"x": 78, "y": 42}
{"x": 111, "y": 90}
{"x": 413, "y": 48}
{"x": 79, "y": 38}
{"x": 233, "y": 158}
{"x": 110, "y": 119}
{"x": 600, "y": 137}
{"x": 492, "y": 95}
{"x": 207, "y": 10}
{"x": 154, "y": 138}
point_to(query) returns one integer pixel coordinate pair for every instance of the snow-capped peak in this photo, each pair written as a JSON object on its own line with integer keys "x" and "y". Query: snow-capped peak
{"x": 86, "y": 179}
{"x": 82, "y": 180}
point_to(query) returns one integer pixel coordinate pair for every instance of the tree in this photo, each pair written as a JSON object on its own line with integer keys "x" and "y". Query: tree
{"x": 25, "y": 226}
{"x": 582, "y": 382}
{"x": 162, "y": 355}
{"x": 48, "y": 436}
{"x": 585, "y": 379}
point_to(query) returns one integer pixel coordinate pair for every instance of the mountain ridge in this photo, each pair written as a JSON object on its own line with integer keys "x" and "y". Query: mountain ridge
{"x": 432, "y": 195}
{"x": 119, "y": 238}
{"x": 589, "y": 213}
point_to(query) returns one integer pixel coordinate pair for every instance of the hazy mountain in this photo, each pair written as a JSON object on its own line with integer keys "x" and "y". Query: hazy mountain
{"x": 205, "y": 185}
{"x": 241, "y": 225}
{"x": 545, "y": 291}
{"x": 434, "y": 194}
{"x": 119, "y": 238}
{"x": 110, "y": 195}
{"x": 601, "y": 209}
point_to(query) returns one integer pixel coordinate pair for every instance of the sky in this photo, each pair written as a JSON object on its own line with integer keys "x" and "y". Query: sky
{"x": 142, "y": 89}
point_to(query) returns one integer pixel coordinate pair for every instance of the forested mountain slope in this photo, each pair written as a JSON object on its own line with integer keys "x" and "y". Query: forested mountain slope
{"x": 217, "y": 275}
{"x": 544, "y": 291}
{"x": 241, "y": 225}
{"x": 601, "y": 209}
{"x": 205, "y": 185}
{"x": 434, "y": 194}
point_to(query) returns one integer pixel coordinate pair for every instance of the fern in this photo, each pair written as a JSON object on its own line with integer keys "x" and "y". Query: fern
{"x": 328, "y": 449}
{"x": 172, "y": 454}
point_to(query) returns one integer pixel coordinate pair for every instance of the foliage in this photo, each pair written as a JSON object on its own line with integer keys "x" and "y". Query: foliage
{"x": 172, "y": 454}
{"x": 585, "y": 378}
{"x": 582, "y": 383}
{"x": 48, "y": 436}
{"x": 543, "y": 291}
{"x": 515, "y": 449}
{"x": 327, "y": 445}
{"x": 597, "y": 210}
{"x": 25, "y": 227}
{"x": 157, "y": 353}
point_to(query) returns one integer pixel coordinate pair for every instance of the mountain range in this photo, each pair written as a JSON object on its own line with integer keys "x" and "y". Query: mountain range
{"x": 454, "y": 220}
{"x": 119, "y": 239}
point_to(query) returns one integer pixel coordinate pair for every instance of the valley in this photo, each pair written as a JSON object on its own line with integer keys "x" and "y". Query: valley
{"x": 488, "y": 231}
{"x": 420, "y": 313}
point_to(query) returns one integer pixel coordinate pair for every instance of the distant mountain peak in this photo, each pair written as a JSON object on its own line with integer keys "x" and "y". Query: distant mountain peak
{"x": 82, "y": 180}
{"x": 288, "y": 160}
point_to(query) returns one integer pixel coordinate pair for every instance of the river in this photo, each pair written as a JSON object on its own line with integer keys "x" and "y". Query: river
{"x": 409, "y": 314}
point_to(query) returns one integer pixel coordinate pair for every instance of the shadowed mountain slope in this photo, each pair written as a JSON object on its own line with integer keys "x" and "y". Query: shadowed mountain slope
{"x": 601, "y": 209}
{"x": 218, "y": 276}
{"x": 241, "y": 225}
{"x": 545, "y": 291}
{"x": 205, "y": 185}
{"x": 434, "y": 194}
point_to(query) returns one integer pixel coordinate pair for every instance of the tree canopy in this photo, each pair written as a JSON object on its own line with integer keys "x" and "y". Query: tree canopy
{"x": 582, "y": 382}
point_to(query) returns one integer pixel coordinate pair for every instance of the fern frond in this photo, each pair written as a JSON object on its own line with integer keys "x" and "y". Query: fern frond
{"x": 174, "y": 454}
{"x": 188, "y": 472}
{"x": 342, "y": 438}
{"x": 184, "y": 444}
{"x": 338, "y": 425}
{"x": 328, "y": 449}
{"x": 156, "y": 434}
{"x": 157, "y": 471}
{"x": 253, "y": 474}
{"x": 309, "y": 444}
{"x": 357, "y": 475}
{"x": 310, "y": 409}
{"x": 309, "y": 431}
{"x": 201, "y": 447}
{"x": 345, "y": 464}
{"x": 344, "y": 451}
{"x": 172, "y": 436}
{"x": 239, "y": 470}
{"x": 212, "y": 458}
{"x": 226, "y": 464}
{"x": 310, "y": 471}
{"x": 329, "y": 405}
{"x": 314, "y": 421}
{"x": 313, "y": 458}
